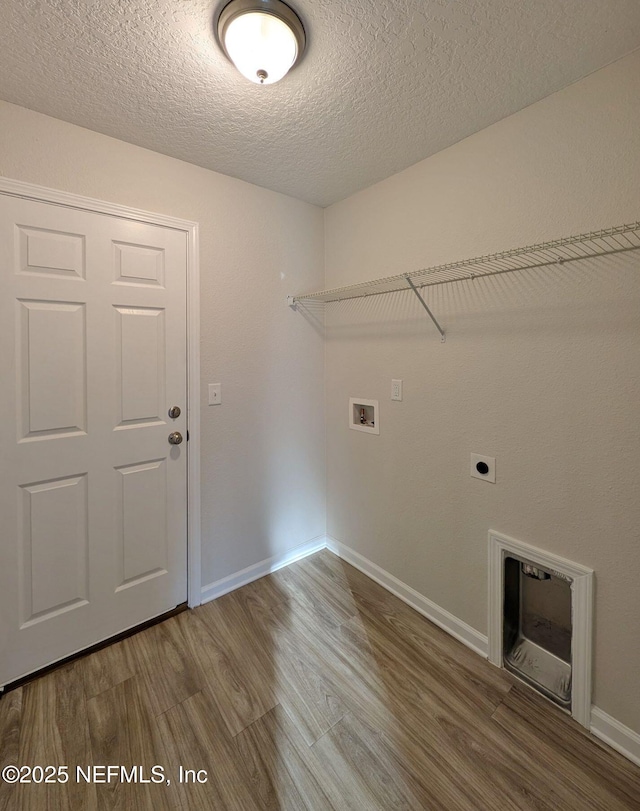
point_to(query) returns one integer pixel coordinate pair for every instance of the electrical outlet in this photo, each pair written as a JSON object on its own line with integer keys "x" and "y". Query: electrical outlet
{"x": 215, "y": 393}
{"x": 483, "y": 467}
{"x": 396, "y": 389}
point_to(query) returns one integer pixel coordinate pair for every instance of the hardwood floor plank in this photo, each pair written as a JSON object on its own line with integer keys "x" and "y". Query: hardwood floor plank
{"x": 418, "y": 720}
{"x": 416, "y": 728}
{"x": 166, "y": 665}
{"x": 196, "y": 738}
{"x": 599, "y": 778}
{"x": 237, "y": 669}
{"x": 123, "y": 733}
{"x": 322, "y": 601}
{"x": 378, "y": 646}
{"x": 406, "y": 623}
{"x": 297, "y": 682}
{"x": 280, "y": 765}
{"x": 413, "y": 656}
{"x": 54, "y": 730}
{"x": 366, "y": 774}
{"x": 10, "y": 724}
{"x": 260, "y": 608}
{"x": 264, "y": 593}
{"x": 315, "y": 581}
{"x": 108, "y": 667}
{"x": 364, "y": 689}
{"x": 306, "y": 690}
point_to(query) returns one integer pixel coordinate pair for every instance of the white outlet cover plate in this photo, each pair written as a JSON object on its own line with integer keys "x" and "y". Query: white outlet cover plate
{"x": 490, "y": 461}
{"x": 396, "y": 390}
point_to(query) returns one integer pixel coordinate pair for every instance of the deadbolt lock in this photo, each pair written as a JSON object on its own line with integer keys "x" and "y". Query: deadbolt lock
{"x": 174, "y": 412}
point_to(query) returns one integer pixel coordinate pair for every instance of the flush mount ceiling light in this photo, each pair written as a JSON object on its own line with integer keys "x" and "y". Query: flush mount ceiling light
{"x": 263, "y": 38}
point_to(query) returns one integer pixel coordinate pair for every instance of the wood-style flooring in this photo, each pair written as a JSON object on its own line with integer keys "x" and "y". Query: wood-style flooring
{"x": 312, "y": 688}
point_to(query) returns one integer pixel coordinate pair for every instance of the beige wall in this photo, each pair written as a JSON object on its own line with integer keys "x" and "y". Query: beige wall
{"x": 263, "y": 448}
{"x": 540, "y": 369}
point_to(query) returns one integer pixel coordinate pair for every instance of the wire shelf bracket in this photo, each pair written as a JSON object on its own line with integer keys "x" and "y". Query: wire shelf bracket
{"x": 606, "y": 242}
{"x": 429, "y": 313}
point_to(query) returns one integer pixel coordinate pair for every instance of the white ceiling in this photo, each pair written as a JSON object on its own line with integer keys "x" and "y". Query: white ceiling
{"x": 384, "y": 83}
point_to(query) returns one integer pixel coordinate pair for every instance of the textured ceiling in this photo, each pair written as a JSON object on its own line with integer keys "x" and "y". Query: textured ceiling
{"x": 384, "y": 83}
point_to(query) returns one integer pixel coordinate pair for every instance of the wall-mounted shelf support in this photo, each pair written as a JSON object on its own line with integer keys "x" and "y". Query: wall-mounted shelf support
{"x": 429, "y": 313}
{"x": 555, "y": 253}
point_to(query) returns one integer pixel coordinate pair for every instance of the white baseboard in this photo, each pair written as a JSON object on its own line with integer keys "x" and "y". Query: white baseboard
{"x": 616, "y": 735}
{"x": 264, "y": 567}
{"x": 439, "y": 616}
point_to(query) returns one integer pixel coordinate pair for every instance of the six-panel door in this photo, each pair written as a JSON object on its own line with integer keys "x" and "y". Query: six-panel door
{"x": 92, "y": 495}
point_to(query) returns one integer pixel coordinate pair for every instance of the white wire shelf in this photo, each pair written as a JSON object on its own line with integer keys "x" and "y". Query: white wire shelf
{"x": 608, "y": 241}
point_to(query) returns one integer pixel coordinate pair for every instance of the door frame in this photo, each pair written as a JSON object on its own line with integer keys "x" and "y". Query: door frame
{"x": 42, "y": 194}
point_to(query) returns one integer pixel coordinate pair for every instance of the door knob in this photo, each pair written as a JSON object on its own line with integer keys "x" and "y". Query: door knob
{"x": 174, "y": 412}
{"x": 175, "y": 438}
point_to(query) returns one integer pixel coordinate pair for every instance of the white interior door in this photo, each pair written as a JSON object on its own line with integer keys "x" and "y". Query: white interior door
{"x": 93, "y": 498}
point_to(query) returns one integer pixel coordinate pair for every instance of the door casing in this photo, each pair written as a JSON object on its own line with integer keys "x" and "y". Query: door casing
{"x": 29, "y": 191}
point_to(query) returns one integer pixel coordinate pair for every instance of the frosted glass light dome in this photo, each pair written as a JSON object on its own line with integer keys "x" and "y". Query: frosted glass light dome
{"x": 261, "y": 46}
{"x": 263, "y": 38}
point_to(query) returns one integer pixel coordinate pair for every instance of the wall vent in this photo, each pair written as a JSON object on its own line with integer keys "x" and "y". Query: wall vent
{"x": 540, "y": 622}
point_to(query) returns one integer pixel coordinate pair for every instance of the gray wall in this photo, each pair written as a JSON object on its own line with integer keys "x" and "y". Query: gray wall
{"x": 540, "y": 369}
